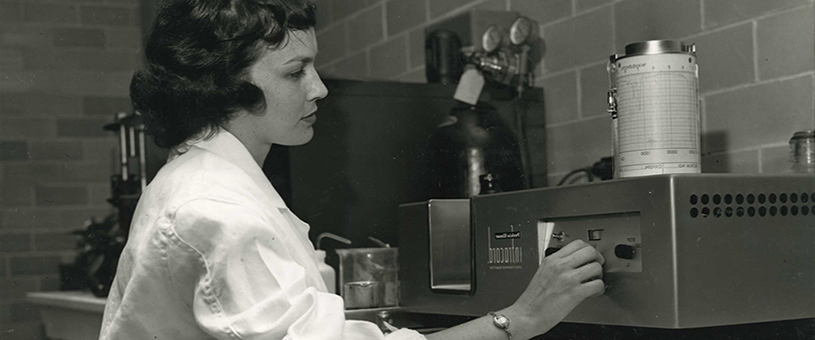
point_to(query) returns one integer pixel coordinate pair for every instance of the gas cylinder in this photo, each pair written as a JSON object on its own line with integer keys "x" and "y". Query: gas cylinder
{"x": 473, "y": 140}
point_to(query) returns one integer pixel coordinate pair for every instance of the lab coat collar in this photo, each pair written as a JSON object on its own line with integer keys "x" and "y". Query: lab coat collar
{"x": 225, "y": 145}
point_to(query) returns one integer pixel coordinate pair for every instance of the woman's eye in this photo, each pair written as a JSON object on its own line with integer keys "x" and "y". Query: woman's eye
{"x": 298, "y": 74}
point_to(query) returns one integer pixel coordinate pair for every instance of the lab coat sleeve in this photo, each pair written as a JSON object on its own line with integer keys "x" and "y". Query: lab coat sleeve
{"x": 234, "y": 269}
{"x": 241, "y": 281}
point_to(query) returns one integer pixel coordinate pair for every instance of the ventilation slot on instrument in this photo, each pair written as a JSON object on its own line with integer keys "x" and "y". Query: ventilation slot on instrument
{"x": 760, "y": 204}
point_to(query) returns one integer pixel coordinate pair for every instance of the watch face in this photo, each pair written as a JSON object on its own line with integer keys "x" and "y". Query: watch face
{"x": 501, "y": 321}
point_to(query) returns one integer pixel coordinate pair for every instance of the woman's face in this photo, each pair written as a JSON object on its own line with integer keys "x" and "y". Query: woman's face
{"x": 292, "y": 87}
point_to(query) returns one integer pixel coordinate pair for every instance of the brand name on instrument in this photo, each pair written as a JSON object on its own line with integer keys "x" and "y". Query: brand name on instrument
{"x": 507, "y": 235}
{"x": 508, "y": 256}
{"x": 505, "y": 255}
{"x": 633, "y": 66}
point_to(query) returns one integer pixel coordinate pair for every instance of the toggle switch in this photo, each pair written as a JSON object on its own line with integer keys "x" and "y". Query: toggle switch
{"x": 624, "y": 251}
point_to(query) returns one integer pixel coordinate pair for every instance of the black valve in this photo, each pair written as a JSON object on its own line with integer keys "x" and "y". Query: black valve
{"x": 624, "y": 251}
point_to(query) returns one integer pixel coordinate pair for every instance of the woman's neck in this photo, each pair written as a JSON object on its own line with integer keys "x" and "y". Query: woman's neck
{"x": 244, "y": 130}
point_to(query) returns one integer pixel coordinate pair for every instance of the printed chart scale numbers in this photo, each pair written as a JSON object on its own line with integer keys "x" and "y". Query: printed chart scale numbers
{"x": 658, "y": 122}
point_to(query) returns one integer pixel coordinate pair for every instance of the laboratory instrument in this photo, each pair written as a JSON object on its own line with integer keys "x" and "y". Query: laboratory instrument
{"x": 654, "y": 106}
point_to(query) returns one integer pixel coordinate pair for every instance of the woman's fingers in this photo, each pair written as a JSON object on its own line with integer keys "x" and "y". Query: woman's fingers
{"x": 599, "y": 257}
{"x": 583, "y": 255}
{"x": 592, "y": 288}
{"x": 577, "y": 246}
{"x": 570, "y": 248}
{"x": 590, "y": 271}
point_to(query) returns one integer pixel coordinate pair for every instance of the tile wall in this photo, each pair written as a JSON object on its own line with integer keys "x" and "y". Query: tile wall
{"x": 755, "y": 56}
{"x": 65, "y": 68}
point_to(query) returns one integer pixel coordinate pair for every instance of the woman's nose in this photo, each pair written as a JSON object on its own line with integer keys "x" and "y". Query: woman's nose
{"x": 318, "y": 89}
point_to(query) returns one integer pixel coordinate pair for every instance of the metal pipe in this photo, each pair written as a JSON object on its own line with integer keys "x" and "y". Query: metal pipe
{"x": 122, "y": 144}
{"x": 132, "y": 137}
{"x": 142, "y": 158}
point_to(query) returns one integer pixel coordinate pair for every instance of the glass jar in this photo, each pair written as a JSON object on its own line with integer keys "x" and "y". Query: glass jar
{"x": 802, "y": 152}
{"x": 369, "y": 277}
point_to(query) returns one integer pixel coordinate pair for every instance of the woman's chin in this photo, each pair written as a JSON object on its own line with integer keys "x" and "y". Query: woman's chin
{"x": 301, "y": 140}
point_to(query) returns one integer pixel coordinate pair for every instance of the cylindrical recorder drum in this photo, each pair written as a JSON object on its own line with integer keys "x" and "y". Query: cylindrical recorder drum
{"x": 653, "y": 100}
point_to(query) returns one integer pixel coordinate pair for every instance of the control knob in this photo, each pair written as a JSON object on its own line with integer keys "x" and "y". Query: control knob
{"x": 625, "y": 251}
{"x": 551, "y": 250}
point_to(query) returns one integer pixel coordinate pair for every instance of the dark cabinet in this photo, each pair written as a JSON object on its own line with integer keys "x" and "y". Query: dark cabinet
{"x": 369, "y": 154}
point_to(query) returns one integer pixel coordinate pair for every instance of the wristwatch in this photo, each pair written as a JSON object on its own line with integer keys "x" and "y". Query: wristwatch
{"x": 502, "y": 322}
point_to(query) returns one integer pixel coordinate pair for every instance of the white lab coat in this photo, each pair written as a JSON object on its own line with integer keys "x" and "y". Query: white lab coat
{"x": 214, "y": 253}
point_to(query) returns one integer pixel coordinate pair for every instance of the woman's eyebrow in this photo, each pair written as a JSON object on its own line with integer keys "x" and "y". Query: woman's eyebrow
{"x": 301, "y": 59}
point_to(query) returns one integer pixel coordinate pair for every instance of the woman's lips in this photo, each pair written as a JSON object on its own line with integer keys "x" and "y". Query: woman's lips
{"x": 311, "y": 118}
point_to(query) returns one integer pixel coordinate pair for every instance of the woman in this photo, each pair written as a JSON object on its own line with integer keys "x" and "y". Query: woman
{"x": 213, "y": 251}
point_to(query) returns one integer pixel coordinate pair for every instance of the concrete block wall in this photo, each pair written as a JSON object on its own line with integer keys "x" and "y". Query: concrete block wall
{"x": 756, "y": 67}
{"x": 65, "y": 68}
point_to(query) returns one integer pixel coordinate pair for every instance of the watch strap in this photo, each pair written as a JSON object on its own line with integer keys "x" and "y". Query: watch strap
{"x": 501, "y": 322}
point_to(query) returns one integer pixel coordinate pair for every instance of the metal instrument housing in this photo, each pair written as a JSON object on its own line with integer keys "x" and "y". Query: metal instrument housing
{"x": 697, "y": 250}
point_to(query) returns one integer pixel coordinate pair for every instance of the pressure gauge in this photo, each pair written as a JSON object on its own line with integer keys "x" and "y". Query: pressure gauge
{"x": 491, "y": 38}
{"x": 520, "y": 30}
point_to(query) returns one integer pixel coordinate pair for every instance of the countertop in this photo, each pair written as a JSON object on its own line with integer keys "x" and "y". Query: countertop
{"x": 75, "y": 300}
{"x": 67, "y": 312}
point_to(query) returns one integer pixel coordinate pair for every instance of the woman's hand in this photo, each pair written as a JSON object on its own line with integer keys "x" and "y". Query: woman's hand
{"x": 563, "y": 280}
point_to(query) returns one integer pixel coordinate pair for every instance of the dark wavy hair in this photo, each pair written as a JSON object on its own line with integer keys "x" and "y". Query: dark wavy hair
{"x": 197, "y": 58}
